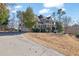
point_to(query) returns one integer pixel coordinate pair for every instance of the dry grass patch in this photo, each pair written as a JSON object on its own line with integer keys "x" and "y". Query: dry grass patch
{"x": 62, "y": 43}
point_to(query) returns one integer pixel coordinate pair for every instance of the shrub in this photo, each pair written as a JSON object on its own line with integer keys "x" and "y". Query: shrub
{"x": 53, "y": 28}
{"x": 43, "y": 30}
{"x": 60, "y": 27}
{"x": 35, "y": 30}
{"x": 77, "y": 35}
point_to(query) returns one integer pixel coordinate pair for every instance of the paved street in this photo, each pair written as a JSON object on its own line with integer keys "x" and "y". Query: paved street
{"x": 13, "y": 44}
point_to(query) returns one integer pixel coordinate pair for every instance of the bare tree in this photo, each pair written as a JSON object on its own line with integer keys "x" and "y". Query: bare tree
{"x": 54, "y": 16}
{"x": 20, "y": 16}
{"x": 66, "y": 20}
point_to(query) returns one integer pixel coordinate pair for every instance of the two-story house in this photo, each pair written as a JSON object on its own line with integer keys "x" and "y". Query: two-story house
{"x": 44, "y": 23}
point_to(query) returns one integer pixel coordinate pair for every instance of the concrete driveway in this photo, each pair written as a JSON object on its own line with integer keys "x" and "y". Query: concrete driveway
{"x": 13, "y": 44}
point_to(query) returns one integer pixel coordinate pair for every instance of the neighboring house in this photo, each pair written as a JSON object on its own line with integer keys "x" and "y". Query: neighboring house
{"x": 44, "y": 23}
{"x": 72, "y": 29}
